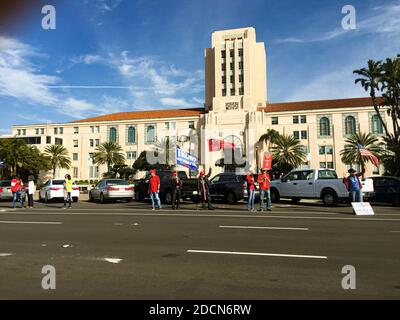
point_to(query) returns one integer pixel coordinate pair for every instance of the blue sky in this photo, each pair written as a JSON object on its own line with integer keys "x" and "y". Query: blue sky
{"x": 122, "y": 55}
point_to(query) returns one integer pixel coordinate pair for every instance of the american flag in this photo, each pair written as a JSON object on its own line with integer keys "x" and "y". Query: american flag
{"x": 366, "y": 153}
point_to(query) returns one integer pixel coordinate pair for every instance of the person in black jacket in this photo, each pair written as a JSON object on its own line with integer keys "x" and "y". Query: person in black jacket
{"x": 204, "y": 187}
{"x": 176, "y": 191}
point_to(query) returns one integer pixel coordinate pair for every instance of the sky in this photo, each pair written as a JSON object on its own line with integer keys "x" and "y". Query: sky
{"x": 107, "y": 56}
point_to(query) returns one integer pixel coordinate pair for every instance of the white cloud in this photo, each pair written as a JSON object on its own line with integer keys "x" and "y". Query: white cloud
{"x": 86, "y": 59}
{"x": 178, "y": 103}
{"x": 108, "y": 5}
{"x": 384, "y": 20}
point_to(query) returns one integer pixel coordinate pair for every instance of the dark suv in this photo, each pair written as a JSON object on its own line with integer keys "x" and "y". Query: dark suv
{"x": 229, "y": 187}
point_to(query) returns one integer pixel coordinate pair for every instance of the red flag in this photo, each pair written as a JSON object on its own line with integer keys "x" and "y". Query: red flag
{"x": 214, "y": 145}
{"x": 227, "y": 145}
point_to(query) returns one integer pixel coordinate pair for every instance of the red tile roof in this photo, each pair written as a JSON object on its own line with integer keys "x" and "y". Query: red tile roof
{"x": 151, "y": 114}
{"x": 318, "y": 104}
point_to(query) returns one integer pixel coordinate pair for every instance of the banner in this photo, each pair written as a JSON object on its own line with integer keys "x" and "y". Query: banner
{"x": 186, "y": 159}
{"x": 217, "y": 145}
{"x": 267, "y": 161}
{"x": 362, "y": 209}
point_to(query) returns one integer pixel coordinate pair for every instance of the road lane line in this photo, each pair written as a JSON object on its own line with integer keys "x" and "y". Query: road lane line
{"x": 259, "y": 254}
{"x": 30, "y": 222}
{"x": 6, "y": 254}
{"x": 395, "y": 231}
{"x": 269, "y": 228}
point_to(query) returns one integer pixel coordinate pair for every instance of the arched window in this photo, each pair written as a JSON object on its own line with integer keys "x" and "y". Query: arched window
{"x": 112, "y": 135}
{"x": 324, "y": 126}
{"x": 376, "y": 124}
{"x": 150, "y": 134}
{"x": 350, "y": 125}
{"x": 131, "y": 135}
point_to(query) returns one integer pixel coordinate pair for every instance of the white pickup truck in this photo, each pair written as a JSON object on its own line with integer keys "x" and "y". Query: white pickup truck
{"x": 315, "y": 184}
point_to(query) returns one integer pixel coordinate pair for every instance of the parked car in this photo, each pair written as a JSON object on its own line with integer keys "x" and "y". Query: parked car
{"x": 189, "y": 187}
{"x": 54, "y": 190}
{"x": 112, "y": 189}
{"x": 315, "y": 184}
{"x": 229, "y": 187}
{"x": 5, "y": 190}
{"x": 386, "y": 190}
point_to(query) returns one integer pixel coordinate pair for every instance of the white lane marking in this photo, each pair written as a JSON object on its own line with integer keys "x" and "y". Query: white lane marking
{"x": 272, "y": 228}
{"x": 394, "y": 231}
{"x": 113, "y": 260}
{"x": 6, "y": 254}
{"x": 259, "y": 254}
{"x": 30, "y": 222}
{"x": 66, "y": 245}
{"x": 210, "y": 215}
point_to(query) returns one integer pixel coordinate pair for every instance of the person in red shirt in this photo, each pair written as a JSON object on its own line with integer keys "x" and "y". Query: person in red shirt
{"x": 264, "y": 179}
{"x": 251, "y": 191}
{"x": 154, "y": 190}
{"x": 16, "y": 189}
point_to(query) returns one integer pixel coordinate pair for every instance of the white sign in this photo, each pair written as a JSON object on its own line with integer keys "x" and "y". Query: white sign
{"x": 362, "y": 208}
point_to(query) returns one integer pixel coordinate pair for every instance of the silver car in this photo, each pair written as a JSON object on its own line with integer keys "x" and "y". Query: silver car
{"x": 112, "y": 189}
{"x": 5, "y": 190}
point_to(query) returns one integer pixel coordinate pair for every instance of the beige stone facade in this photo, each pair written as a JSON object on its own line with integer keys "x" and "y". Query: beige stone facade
{"x": 235, "y": 110}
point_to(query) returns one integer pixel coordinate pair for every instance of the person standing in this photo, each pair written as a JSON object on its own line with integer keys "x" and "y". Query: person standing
{"x": 251, "y": 191}
{"x": 31, "y": 191}
{"x": 204, "y": 187}
{"x": 354, "y": 186}
{"x": 264, "y": 181}
{"x": 67, "y": 191}
{"x": 154, "y": 190}
{"x": 176, "y": 191}
{"x": 16, "y": 189}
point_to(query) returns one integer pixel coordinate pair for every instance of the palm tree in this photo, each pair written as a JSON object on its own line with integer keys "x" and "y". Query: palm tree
{"x": 108, "y": 153}
{"x": 287, "y": 152}
{"x": 370, "y": 81}
{"x": 269, "y": 137}
{"x": 58, "y": 157}
{"x": 351, "y": 153}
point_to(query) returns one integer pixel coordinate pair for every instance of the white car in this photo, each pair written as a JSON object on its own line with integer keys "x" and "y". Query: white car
{"x": 54, "y": 189}
{"x": 315, "y": 184}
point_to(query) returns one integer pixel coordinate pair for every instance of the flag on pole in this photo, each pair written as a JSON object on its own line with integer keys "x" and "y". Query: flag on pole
{"x": 217, "y": 145}
{"x": 368, "y": 154}
{"x": 267, "y": 161}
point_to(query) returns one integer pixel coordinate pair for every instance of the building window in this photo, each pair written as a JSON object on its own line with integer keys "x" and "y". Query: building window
{"x": 241, "y": 91}
{"x": 74, "y": 157}
{"x": 303, "y": 119}
{"x": 224, "y": 92}
{"x": 326, "y": 165}
{"x": 55, "y": 130}
{"x": 232, "y": 79}
{"x": 304, "y": 134}
{"x": 76, "y": 143}
{"x": 376, "y": 124}
{"x": 58, "y": 141}
{"x": 350, "y": 125}
{"x": 325, "y": 150}
{"x": 295, "y": 119}
{"x": 112, "y": 135}
{"x": 231, "y": 53}
{"x": 170, "y": 125}
{"x": 191, "y": 125}
{"x": 233, "y": 92}
{"x": 240, "y": 64}
{"x": 75, "y": 174}
{"x": 91, "y": 143}
{"x": 240, "y": 52}
{"x": 48, "y": 140}
{"x": 131, "y": 135}
{"x": 274, "y": 121}
{"x": 131, "y": 155}
{"x": 240, "y": 77}
{"x": 296, "y": 135}
{"x": 223, "y": 79}
{"x": 61, "y": 130}
{"x": 223, "y": 54}
{"x": 76, "y": 130}
{"x": 97, "y": 142}
{"x": 224, "y": 67}
{"x": 37, "y": 131}
{"x": 231, "y": 65}
{"x": 91, "y": 129}
{"x": 150, "y": 133}
{"x": 324, "y": 126}
{"x": 93, "y": 172}
{"x": 322, "y": 165}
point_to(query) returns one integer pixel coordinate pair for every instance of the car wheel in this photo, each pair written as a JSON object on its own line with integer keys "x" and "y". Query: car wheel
{"x": 129, "y": 200}
{"x": 275, "y": 197}
{"x": 102, "y": 200}
{"x": 230, "y": 198}
{"x": 329, "y": 198}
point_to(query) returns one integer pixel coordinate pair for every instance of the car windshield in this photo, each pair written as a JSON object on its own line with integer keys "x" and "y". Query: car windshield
{"x": 58, "y": 182}
{"x": 117, "y": 183}
{"x": 5, "y": 183}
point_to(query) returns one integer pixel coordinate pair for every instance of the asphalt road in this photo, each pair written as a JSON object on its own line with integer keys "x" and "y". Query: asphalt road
{"x": 293, "y": 252}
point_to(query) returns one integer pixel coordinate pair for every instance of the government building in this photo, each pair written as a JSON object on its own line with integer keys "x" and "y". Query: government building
{"x": 236, "y": 109}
